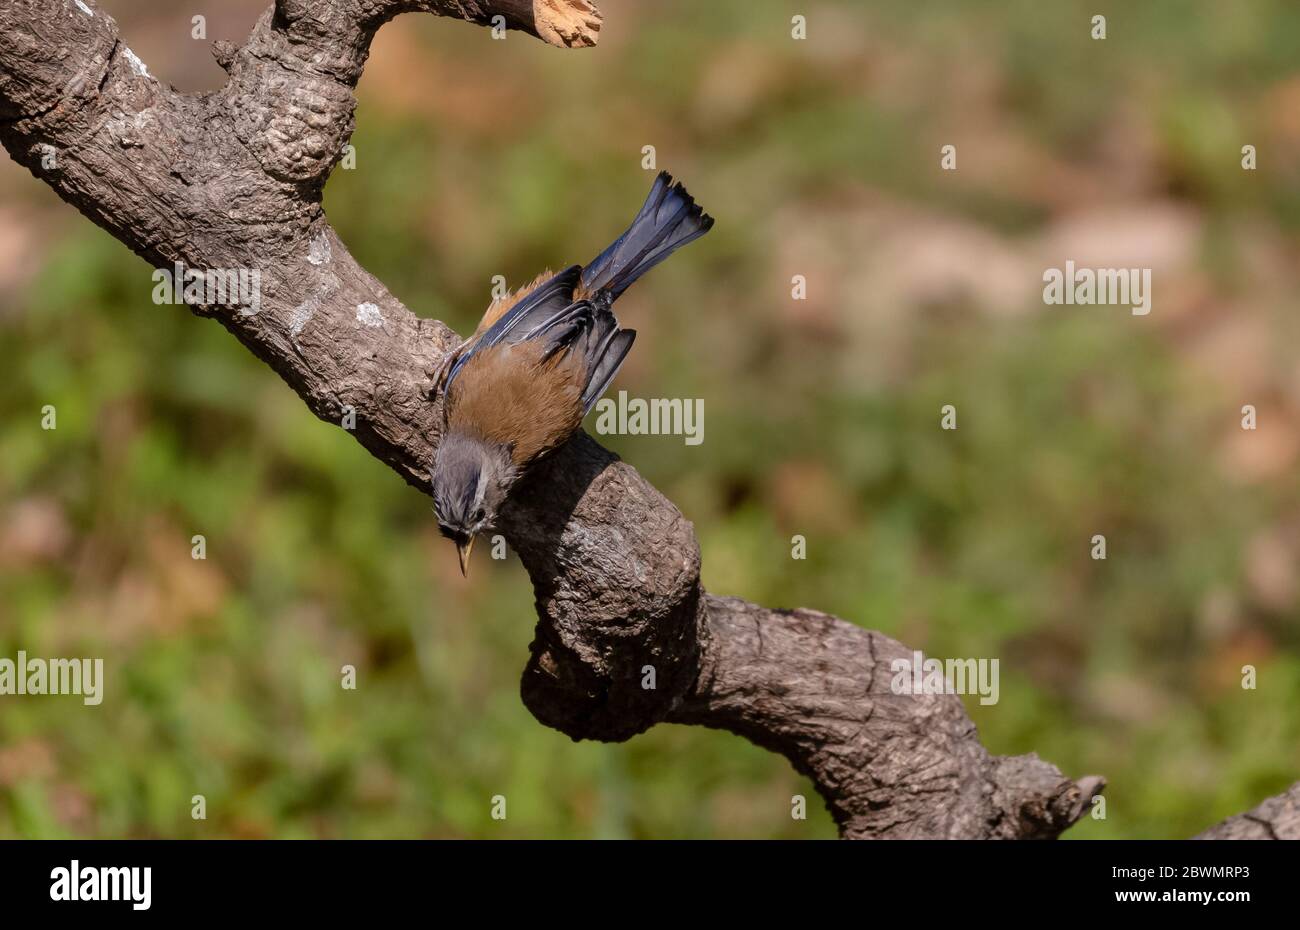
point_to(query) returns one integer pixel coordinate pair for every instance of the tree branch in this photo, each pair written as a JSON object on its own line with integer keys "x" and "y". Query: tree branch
{"x": 1277, "y": 818}
{"x": 233, "y": 179}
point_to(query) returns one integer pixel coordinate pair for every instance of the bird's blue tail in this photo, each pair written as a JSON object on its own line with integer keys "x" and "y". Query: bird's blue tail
{"x": 668, "y": 220}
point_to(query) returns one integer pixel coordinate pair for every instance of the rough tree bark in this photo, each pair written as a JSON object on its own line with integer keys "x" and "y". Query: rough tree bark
{"x": 1278, "y": 818}
{"x": 233, "y": 179}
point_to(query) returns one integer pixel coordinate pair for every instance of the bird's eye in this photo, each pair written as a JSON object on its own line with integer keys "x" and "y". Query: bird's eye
{"x": 478, "y": 515}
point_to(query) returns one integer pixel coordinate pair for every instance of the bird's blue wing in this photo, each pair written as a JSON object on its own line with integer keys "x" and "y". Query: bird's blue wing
{"x": 542, "y": 307}
{"x": 604, "y": 361}
{"x": 549, "y": 314}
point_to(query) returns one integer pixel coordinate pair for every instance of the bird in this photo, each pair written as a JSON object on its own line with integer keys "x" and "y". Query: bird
{"x": 538, "y": 361}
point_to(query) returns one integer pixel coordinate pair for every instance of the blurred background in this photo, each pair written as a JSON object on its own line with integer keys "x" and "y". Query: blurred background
{"x": 820, "y": 157}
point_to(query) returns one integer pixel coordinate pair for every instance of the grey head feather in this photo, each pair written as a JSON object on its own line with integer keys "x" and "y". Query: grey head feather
{"x": 471, "y": 477}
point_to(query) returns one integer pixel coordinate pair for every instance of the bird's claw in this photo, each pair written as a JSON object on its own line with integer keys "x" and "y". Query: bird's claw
{"x": 438, "y": 376}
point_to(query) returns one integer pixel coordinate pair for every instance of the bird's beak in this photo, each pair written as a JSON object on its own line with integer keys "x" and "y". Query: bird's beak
{"x": 463, "y": 549}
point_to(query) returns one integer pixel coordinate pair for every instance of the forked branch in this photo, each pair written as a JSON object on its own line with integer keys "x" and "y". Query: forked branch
{"x": 233, "y": 179}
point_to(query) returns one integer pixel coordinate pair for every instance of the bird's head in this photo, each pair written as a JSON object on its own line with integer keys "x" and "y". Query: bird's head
{"x": 471, "y": 477}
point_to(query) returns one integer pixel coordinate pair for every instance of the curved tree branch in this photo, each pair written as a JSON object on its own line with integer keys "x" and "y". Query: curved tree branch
{"x": 233, "y": 179}
{"x": 1278, "y": 818}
